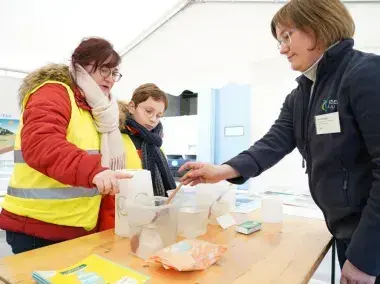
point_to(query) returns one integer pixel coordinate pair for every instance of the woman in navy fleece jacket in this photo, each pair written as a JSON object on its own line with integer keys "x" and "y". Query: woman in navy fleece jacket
{"x": 333, "y": 118}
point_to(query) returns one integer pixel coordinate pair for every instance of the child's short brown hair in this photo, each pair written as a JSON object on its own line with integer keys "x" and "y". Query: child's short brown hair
{"x": 145, "y": 91}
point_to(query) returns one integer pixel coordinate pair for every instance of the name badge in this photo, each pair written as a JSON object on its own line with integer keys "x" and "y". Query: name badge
{"x": 327, "y": 123}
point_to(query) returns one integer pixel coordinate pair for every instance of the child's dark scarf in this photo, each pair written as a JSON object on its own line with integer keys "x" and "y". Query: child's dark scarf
{"x": 153, "y": 159}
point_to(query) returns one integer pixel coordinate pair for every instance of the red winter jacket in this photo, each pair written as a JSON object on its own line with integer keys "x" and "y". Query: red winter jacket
{"x": 45, "y": 148}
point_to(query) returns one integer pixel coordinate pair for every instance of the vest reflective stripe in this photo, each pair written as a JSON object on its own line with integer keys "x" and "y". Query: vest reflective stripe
{"x": 18, "y": 157}
{"x": 56, "y": 193}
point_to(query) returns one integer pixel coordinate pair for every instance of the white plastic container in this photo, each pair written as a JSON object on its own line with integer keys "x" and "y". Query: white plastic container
{"x": 151, "y": 235}
{"x": 139, "y": 184}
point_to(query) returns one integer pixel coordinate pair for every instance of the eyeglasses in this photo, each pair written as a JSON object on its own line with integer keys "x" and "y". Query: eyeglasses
{"x": 150, "y": 113}
{"x": 286, "y": 39}
{"x": 105, "y": 72}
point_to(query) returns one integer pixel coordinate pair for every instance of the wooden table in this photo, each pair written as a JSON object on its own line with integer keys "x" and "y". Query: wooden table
{"x": 280, "y": 253}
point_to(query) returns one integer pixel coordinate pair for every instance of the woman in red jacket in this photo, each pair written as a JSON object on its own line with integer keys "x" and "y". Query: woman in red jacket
{"x": 66, "y": 149}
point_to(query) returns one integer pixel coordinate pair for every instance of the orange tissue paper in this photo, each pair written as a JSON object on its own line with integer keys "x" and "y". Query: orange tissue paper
{"x": 188, "y": 255}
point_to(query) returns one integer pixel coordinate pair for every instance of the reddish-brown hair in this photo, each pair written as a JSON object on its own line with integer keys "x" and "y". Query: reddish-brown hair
{"x": 96, "y": 51}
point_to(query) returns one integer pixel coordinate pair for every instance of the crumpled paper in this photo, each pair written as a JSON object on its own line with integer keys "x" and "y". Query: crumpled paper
{"x": 188, "y": 255}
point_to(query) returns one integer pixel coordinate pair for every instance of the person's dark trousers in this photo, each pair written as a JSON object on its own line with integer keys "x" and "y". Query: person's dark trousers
{"x": 341, "y": 247}
{"x": 21, "y": 243}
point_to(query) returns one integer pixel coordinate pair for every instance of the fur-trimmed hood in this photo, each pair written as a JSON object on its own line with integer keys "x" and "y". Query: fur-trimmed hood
{"x": 123, "y": 113}
{"x": 54, "y": 72}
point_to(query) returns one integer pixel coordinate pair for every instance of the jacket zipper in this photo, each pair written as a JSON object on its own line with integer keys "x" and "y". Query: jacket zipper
{"x": 345, "y": 180}
{"x": 345, "y": 183}
{"x": 306, "y": 142}
{"x": 308, "y": 155}
{"x": 306, "y": 120}
{"x": 303, "y": 131}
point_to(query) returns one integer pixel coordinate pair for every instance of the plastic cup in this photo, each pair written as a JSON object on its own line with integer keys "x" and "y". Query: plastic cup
{"x": 153, "y": 224}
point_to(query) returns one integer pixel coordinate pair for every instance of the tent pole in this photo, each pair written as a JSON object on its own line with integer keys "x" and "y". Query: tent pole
{"x": 6, "y": 69}
{"x": 181, "y": 5}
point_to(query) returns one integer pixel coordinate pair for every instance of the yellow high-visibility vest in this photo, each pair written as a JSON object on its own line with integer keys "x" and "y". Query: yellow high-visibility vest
{"x": 133, "y": 160}
{"x": 35, "y": 195}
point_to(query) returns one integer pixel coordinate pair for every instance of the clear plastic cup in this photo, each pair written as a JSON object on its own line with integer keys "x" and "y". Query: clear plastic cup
{"x": 153, "y": 224}
{"x": 223, "y": 199}
{"x": 193, "y": 220}
{"x": 194, "y": 210}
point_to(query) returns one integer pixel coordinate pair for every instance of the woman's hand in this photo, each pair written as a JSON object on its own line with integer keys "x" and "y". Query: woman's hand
{"x": 206, "y": 173}
{"x": 353, "y": 275}
{"x": 106, "y": 181}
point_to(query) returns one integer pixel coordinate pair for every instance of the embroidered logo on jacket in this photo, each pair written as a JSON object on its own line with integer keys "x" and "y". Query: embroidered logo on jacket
{"x": 329, "y": 105}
